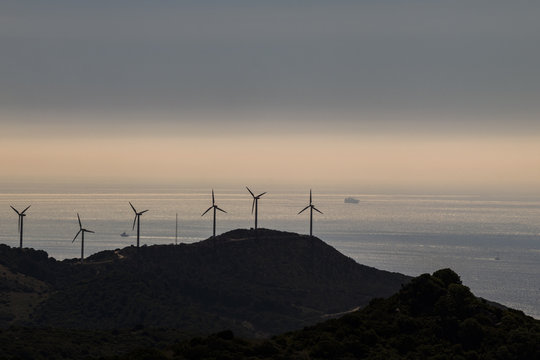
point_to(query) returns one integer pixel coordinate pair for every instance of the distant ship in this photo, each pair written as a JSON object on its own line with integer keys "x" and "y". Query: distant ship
{"x": 351, "y": 200}
{"x": 124, "y": 234}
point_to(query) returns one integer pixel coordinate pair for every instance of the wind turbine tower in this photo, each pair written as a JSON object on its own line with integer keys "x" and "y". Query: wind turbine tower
{"x": 215, "y": 207}
{"x": 81, "y": 231}
{"x": 137, "y": 220}
{"x": 21, "y": 218}
{"x": 254, "y": 205}
{"x": 311, "y": 207}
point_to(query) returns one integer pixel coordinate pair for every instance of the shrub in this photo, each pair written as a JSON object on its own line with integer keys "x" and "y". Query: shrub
{"x": 447, "y": 276}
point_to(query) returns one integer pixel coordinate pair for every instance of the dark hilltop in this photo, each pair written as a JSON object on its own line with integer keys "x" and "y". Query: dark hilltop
{"x": 254, "y": 285}
{"x": 277, "y": 295}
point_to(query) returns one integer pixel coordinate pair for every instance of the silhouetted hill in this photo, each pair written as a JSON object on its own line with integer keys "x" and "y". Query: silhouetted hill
{"x": 271, "y": 283}
{"x": 432, "y": 317}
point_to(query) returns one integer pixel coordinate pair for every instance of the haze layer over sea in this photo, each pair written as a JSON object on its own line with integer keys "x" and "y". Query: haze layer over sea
{"x": 493, "y": 243}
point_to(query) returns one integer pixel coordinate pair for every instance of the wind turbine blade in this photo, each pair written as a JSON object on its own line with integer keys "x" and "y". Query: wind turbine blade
{"x": 310, "y": 196}
{"x": 304, "y": 209}
{"x": 22, "y": 212}
{"x": 317, "y": 210}
{"x": 133, "y": 207}
{"x": 134, "y": 221}
{"x": 251, "y": 192}
{"x": 220, "y": 209}
{"x": 78, "y": 217}
{"x": 207, "y": 210}
{"x": 261, "y": 194}
{"x": 253, "y": 205}
{"x": 90, "y": 231}
{"x": 142, "y": 212}
{"x": 76, "y": 235}
{"x": 14, "y": 210}
{"x": 213, "y": 199}
{"x": 19, "y": 226}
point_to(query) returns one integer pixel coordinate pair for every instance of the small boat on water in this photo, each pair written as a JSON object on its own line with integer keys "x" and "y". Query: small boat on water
{"x": 351, "y": 200}
{"x": 124, "y": 234}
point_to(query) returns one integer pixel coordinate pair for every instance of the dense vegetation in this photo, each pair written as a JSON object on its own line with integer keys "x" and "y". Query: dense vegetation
{"x": 160, "y": 302}
{"x": 254, "y": 285}
{"x": 54, "y": 343}
{"x": 432, "y": 317}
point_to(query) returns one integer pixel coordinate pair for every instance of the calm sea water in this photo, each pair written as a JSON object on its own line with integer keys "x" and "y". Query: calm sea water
{"x": 494, "y": 244}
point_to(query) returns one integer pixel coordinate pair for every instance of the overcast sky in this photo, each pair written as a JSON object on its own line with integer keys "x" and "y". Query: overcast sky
{"x": 165, "y": 68}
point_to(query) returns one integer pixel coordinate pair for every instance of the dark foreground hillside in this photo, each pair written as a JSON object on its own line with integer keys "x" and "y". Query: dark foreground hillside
{"x": 432, "y": 317}
{"x": 255, "y": 286}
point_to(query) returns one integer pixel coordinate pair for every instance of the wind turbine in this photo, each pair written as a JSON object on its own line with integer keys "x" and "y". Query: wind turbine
{"x": 254, "y": 206}
{"x": 311, "y": 207}
{"x": 81, "y": 231}
{"x": 137, "y": 220}
{"x": 21, "y": 218}
{"x": 215, "y": 207}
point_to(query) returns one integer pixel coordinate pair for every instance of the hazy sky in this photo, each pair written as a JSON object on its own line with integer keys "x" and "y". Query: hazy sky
{"x": 377, "y": 95}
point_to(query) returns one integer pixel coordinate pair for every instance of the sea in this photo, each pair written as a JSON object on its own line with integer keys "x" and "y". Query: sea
{"x": 493, "y": 243}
